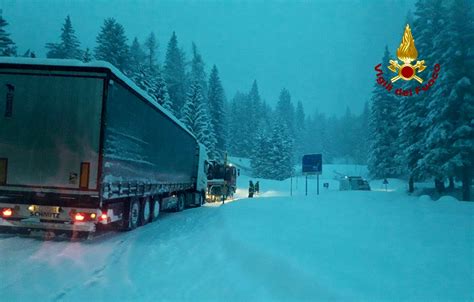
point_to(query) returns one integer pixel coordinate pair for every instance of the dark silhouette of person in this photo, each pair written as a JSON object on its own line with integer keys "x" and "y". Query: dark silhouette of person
{"x": 257, "y": 187}
{"x": 251, "y": 189}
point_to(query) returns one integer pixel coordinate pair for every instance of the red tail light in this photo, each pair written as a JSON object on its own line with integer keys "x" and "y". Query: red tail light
{"x": 7, "y": 212}
{"x": 79, "y": 217}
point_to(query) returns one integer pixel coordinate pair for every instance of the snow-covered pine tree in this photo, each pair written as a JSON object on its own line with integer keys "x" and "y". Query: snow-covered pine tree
{"x": 174, "y": 74}
{"x": 285, "y": 113}
{"x": 281, "y": 151}
{"x": 7, "y": 46}
{"x": 69, "y": 45}
{"x": 255, "y": 123}
{"x": 450, "y": 133}
{"x": 136, "y": 61}
{"x": 198, "y": 75}
{"x": 198, "y": 70}
{"x": 383, "y": 130}
{"x": 112, "y": 45}
{"x": 87, "y": 56}
{"x": 160, "y": 92}
{"x": 412, "y": 112}
{"x": 195, "y": 118}
{"x": 151, "y": 51}
{"x": 285, "y": 110}
{"x": 240, "y": 136}
{"x": 262, "y": 166}
{"x": 256, "y": 107}
{"x": 300, "y": 129}
{"x": 216, "y": 100}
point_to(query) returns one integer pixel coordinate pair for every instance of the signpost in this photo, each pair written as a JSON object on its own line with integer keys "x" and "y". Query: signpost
{"x": 312, "y": 165}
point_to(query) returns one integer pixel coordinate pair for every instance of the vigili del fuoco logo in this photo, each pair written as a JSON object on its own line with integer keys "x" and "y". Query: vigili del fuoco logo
{"x": 407, "y": 53}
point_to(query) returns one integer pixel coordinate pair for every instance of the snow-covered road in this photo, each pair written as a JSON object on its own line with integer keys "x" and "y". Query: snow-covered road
{"x": 343, "y": 246}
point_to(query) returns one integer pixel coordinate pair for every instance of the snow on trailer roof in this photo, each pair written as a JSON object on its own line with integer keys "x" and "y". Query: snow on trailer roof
{"x": 94, "y": 64}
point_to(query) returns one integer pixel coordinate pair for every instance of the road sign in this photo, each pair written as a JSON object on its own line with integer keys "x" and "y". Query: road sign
{"x": 312, "y": 163}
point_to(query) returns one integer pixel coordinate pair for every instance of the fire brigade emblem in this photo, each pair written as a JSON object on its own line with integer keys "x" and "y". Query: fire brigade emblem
{"x": 407, "y": 53}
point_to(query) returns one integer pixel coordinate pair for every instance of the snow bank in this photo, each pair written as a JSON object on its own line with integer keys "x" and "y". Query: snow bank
{"x": 338, "y": 246}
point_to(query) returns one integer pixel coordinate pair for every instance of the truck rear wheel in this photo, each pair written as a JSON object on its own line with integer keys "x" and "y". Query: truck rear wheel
{"x": 145, "y": 211}
{"x": 155, "y": 208}
{"x": 131, "y": 215}
{"x": 180, "y": 204}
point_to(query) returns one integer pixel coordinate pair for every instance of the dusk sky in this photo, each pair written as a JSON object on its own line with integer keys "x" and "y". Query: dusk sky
{"x": 324, "y": 52}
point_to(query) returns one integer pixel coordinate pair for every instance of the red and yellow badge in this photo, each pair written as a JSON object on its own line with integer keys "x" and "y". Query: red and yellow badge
{"x": 406, "y": 53}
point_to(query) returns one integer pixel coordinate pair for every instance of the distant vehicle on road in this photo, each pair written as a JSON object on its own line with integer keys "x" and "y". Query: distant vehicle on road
{"x": 353, "y": 183}
{"x": 82, "y": 146}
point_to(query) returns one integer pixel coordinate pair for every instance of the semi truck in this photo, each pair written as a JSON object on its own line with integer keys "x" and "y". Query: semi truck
{"x": 221, "y": 181}
{"x": 81, "y": 147}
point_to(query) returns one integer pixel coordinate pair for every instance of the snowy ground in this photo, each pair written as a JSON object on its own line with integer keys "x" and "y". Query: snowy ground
{"x": 338, "y": 246}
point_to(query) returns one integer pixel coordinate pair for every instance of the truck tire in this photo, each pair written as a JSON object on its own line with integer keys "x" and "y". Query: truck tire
{"x": 145, "y": 211}
{"x": 200, "y": 199}
{"x": 181, "y": 203}
{"x": 132, "y": 214}
{"x": 155, "y": 208}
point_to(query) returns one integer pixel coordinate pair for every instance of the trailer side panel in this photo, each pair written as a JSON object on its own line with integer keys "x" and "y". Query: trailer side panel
{"x": 143, "y": 145}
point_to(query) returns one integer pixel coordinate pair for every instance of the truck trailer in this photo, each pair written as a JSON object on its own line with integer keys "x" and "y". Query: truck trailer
{"x": 82, "y": 146}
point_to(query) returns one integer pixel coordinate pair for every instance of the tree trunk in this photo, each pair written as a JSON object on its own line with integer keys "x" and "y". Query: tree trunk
{"x": 411, "y": 184}
{"x": 451, "y": 183}
{"x": 466, "y": 183}
{"x": 439, "y": 185}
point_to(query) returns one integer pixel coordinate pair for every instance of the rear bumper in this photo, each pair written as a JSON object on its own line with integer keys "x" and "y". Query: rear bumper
{"x": 35, "y": 225}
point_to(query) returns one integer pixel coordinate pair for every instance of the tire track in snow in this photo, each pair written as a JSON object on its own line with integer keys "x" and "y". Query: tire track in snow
{"x": 97, "y": 274}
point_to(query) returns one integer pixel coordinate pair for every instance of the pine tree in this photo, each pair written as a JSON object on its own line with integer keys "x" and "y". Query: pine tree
{"x": 216, "y": 100}
{"x": 7, "y": 46}
{"x": 300, "y": 129}
{"x": 151, "y": 51}
{"x": 68, "y": 47}
{"x": 285, "y": 110}
{"x": 197, "y": 70}
{"x": 262, "y": 166}
{"x": 136, "y": 61}
{"x": 87, "y": 56}
{"x": 256, "y": 107}
{"x": 241, "y": 137}
{"x": 281, "y": 153}
{"x": 112, "y": 45}
{"x": 384, "y": 130}
{"x": 195, "y": 118}
{"x": 254, "y": 123}
{"x": 450, "y": 134}
{"x": 160, "y": 92}
{"x": 174, "y": 74}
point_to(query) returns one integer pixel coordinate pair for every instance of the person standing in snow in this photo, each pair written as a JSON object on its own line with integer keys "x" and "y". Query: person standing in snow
{"x": 251, "y": 189}
{"x": 257, "y": 187}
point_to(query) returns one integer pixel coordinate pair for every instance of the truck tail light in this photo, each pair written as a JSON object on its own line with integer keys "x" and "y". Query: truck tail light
{"x": 79, "y": 217}
{"x": 84, "y": 179}
{"x": 104, "y": 217}
{"x": 7, "y": 212}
